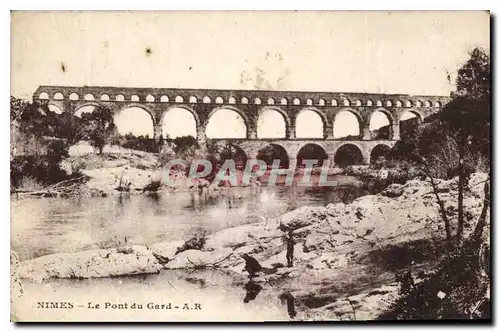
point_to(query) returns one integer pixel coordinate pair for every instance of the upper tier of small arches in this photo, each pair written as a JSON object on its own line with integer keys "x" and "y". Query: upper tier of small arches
{"x": 190, "y": 99}
{"x": 236, "y": 97}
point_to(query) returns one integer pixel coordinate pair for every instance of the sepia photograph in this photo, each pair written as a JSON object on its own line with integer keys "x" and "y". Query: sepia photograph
{"x": 250, "y": 166}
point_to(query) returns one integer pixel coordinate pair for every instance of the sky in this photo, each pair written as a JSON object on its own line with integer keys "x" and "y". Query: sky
{"x": 377, "y": 52}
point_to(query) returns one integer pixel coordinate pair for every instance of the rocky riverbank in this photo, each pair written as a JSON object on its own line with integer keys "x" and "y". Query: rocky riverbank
{"x": 112, "y": 172}
{"x": 346, "y": 257}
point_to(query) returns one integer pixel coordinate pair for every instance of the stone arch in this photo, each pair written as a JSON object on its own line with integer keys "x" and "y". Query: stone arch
{"x": 378, "y": 103}
{"x": 296, "y": 101}
{"x": 369, "y": 102}
{"x": 358, "y": 103}
{"x": 232, "y": 100}
{"x": 150, "y": 98}
{"x": 235, "y": 152}
{"x": 244, "y": 100}
{"x": 193, "y": 100}
{"x": 436, "y": 104}
{"x": 179, "y": 99}
{"x": 312, "y": 151}
{"x": 380, "y": 127}
{"x": 89, "y": 96}
{"x": 207, "y": 100}
{"x": 408, "y": 103}
{"x": 230, "y": 111}
{"x": 284, "y": 101}
{"x": 406, "y": 114}
{"x": 135, "y": 98}
{"x": 427, "y": 103}
{"x": 181, "y": 114}
{"x": 321, "y": 102}
{"x": 74, "y": 96}
{"x": 55, "y": 108}
{"x": 219, "y": 100}
{"x": 399, "y": 103}
{"x": 270, "y": 101}
{"x": 334, "y": 102}
{"x": 302, "y": 132}
{"x": 164, "y": 99}
{"x": 348, "y": 154}
{"x": 124, "y": 126}
{"x": 43, "y": 95}
{"x": 87, "y": 107}
{"x": 104, "y": 97}
{"x": 58, "y": 96}
{"x": 185, "y": 107}
{"x": 388, "y": 103}
{"x": 257, "y": 101}
{"x": 272, "y": 152}
{"x": 379, "y": 153}
{"x": 409, "y": 121}
{"x": 418, "y": 103}
{"x": 309, "y": 102}
{"x": 346, "y": 102}
{"x": 342, "y": 129}
{"x": 120, "y": 97}
{"x": 281, "y": 133}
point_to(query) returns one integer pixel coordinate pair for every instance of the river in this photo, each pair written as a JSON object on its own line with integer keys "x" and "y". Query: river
{"x": 51, "y": 225}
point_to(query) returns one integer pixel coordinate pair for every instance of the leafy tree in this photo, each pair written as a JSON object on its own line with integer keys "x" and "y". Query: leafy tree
{"x": 465, "y": 120}
{"x": 31, "y": 117}
{"x": 98, "y": 127}
{"x": 185, "y": 144}
{"x": 66, "y": 126}
{"x": 474, "y": 77}
{"x": 451, "y": 142}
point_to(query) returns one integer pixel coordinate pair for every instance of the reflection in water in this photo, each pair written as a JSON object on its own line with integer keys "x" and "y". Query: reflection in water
{"x": 48, "y": 225}
{"x": 290, "y": 303}
{"x": 253, "y": 289}
{"x": 219, "y": 295}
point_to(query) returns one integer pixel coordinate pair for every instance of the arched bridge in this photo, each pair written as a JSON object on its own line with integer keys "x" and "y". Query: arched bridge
{"x": 250, "y": 105}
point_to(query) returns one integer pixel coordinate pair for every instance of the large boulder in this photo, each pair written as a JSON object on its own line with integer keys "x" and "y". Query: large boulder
{"x": 239, "y": 236}
{"x": 393, "y": 190}
{"x": 128, "y": 260}
{"x": 165, "y": 251}
{"x": 301, "y": 217}
{"x": 198, "y": 259}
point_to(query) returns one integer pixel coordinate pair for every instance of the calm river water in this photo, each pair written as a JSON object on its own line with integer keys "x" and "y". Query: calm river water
{"x": 48, "y": 225}
{"x": 44, "y": 226}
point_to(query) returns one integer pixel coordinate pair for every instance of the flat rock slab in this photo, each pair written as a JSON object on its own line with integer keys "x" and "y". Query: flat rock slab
{"x": 128, "y": 260}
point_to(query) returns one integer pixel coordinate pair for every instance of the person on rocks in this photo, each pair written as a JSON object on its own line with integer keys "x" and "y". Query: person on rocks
{"x": 290, "y": 243}
{"x": 252, "y": 266}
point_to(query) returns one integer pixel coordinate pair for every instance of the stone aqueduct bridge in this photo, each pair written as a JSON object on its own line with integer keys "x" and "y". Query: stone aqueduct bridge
{"x": 249, "y": 104}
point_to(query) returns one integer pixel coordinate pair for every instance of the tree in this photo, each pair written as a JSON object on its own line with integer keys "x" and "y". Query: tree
{"x": 467, "y": 119}
{"x": 474, "y": 77}
{"x": 185, "y": 144}
{"x": 98, "y": 127}
{"x": 451, "y": 142}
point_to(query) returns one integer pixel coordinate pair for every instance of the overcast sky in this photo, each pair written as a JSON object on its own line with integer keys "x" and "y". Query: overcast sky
{"x": 396, "y": 52}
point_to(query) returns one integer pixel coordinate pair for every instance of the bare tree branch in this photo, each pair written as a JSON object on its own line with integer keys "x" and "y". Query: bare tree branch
{"x": 442, "y": 210}
{"x": 478, "y": 231}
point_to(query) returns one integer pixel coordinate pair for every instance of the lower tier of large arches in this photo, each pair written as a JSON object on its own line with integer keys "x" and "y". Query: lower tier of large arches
{"x": 285, "y": 153}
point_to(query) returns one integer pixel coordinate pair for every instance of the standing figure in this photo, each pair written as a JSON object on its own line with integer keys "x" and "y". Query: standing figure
{"x": 290, "y": 243}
